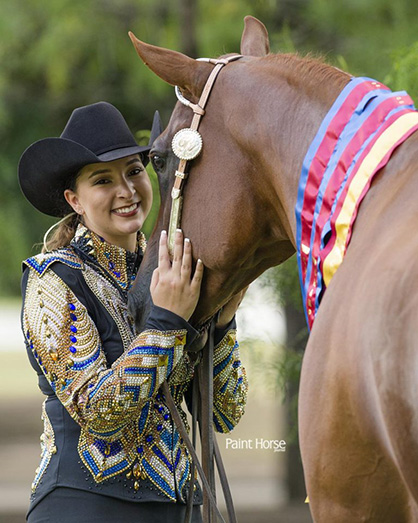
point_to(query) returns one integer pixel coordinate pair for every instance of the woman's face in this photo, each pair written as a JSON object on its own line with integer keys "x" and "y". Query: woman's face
{"x": 113, "y": 198}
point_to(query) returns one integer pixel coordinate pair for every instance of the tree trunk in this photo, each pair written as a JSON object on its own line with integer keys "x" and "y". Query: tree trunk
{"x": 187, "y": 24}
{"x": 296, "y": 340}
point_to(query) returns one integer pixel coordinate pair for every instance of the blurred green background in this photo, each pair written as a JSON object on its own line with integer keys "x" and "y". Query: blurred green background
{"x": 56, "y": 55}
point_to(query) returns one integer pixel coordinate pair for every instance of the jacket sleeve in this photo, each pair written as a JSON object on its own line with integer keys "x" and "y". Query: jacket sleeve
{"x": 229, "y": 384}
{"x": 66, "y": 344}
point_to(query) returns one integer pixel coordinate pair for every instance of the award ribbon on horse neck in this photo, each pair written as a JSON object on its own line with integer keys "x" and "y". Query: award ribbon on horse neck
{"x": 355, "y": 140}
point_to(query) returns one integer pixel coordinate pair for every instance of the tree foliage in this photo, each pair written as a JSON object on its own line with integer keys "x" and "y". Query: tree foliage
{"x": 60, "y": 54}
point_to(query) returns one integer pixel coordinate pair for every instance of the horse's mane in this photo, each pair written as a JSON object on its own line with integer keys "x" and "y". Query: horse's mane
{"x": 308, "y": 69}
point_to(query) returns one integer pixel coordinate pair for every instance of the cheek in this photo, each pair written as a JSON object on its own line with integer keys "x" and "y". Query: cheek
{"x": 96, "y": 203}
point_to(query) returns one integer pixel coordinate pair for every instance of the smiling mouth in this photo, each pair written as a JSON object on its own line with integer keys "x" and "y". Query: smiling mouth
{"x": 127, "y": 211}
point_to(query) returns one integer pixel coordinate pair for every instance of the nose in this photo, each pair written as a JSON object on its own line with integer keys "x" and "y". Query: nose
{"x": 126, "y": 189}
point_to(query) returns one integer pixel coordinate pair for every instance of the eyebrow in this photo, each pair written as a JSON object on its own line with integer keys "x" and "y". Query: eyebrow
{"x": 103, "y": 171}
{"x": 99, "y": 171}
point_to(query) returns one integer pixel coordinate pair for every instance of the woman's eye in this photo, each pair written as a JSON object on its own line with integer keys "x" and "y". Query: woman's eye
{"x": 158, "y": 162}
{"x": 135, "y": 171}
{"x": 101, "y": 181}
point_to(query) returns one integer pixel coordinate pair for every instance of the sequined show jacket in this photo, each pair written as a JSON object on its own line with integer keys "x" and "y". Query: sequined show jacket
{"x": 107, "y": 428}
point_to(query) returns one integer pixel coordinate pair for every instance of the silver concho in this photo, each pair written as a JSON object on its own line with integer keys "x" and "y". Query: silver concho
{"x": 187, "y": 144}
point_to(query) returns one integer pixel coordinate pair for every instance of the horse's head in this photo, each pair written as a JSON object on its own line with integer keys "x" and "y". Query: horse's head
{"x": 238, "y": 205}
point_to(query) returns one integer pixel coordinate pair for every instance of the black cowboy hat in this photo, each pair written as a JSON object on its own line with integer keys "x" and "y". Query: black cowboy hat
{"x": 94, "y": 133}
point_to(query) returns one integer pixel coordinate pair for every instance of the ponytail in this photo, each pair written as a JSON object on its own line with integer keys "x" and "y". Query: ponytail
{"x": 61, "y": 233}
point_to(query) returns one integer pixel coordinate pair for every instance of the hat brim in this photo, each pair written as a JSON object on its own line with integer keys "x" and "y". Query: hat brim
{"x": 47, "y": 165}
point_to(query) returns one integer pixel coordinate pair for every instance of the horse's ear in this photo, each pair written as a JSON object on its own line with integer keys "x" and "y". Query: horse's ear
{"x": 255, "y": 38}
{"x": 174, "y": 68}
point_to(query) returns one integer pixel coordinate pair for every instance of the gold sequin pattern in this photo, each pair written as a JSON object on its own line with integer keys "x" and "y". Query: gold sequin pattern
{"x": 125, "y": 423}
{"x": 230, "y": 385}
{"x": 48, "y": 448}
{"x": 105, "y": 402}
{"x": 113, "y": 303}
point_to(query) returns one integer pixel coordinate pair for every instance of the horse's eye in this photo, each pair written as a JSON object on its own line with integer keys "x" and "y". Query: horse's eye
{"x": 158, "y": 162}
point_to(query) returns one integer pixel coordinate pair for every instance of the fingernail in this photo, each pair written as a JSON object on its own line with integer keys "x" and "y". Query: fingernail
{"x": 163, "y": 232}
{"x": 199, "y": 260}
{"x": 187, "y": 240}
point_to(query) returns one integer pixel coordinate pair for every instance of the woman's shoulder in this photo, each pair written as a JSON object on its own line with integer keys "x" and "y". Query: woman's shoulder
{"x": 41, "y": 262}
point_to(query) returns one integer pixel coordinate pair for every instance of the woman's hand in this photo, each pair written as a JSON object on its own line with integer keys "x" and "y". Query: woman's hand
{"x": 172, "y": 286}
{"x": 230, "y": 308}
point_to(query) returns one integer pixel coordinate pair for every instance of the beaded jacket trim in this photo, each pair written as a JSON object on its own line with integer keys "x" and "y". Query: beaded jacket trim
{"x": 41, "y": 262}
{"x": 118, "y": 265}
{"x": 48, "y": 448}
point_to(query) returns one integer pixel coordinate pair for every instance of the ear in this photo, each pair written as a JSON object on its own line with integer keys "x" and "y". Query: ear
{"x": 174, "y": 68}
{"x": 255, "y": 38}
{"x": 73, "y": 201}
{"x": 156, "y": 129}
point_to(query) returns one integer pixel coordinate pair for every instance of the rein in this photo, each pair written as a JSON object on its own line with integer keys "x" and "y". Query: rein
{"x": 187, "y": 144}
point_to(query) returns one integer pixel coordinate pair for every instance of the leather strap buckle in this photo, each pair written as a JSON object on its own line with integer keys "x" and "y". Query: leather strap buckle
{"x": 181, "y": 175}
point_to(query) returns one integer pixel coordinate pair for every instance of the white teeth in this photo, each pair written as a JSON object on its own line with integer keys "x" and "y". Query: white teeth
{"x": 125, "y": 210}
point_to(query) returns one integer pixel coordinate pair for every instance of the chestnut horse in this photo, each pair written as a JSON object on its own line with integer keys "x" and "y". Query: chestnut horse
{"x": 358, "y": 406}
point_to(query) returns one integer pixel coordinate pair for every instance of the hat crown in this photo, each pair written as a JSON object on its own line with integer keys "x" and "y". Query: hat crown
{"x": 99, "y": 127}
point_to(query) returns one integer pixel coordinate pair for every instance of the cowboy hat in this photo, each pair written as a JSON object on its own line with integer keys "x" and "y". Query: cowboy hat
{"x": 94, "y": 133}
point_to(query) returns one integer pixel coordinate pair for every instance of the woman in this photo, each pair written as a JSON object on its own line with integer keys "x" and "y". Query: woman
{"x": 110, "y": 450}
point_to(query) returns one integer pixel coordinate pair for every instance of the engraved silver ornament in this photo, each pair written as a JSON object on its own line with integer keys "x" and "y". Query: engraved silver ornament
{"x": 186, "y": 144}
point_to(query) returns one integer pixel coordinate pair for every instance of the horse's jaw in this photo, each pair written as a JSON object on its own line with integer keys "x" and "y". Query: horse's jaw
{"x": 220, "y": 286}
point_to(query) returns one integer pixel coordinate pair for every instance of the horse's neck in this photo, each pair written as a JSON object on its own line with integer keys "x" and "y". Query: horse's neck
{"x": 304, "y": 94}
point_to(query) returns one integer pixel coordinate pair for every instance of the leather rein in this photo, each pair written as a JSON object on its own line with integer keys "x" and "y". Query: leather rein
{"x": 187, "y": 144}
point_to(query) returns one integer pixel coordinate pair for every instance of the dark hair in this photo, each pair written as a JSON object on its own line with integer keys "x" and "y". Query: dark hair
{"x": 64, "y": 230}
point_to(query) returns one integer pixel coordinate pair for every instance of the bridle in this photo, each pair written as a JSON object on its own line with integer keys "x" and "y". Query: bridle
{"x": 187, "y": 144}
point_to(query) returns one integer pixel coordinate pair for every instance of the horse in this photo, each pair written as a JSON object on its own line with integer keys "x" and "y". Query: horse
{"x": 358, "y": 401}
